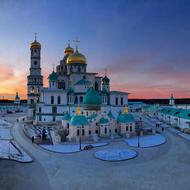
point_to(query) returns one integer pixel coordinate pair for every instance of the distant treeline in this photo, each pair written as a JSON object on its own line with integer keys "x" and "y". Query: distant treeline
{"x": 161, "y": 101}
{"x": 146, "y": 101}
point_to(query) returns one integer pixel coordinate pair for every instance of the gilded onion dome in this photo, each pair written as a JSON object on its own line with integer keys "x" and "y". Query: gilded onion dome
{"x": 76, "y": 57}
{"x": 68, "y": 50}
{"x": 35, "y": 45}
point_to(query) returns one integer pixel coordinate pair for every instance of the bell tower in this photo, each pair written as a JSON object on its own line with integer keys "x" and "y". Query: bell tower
{"x": 35, "y": 79}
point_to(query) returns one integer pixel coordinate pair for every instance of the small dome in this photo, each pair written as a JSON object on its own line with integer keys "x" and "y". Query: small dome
{"x": 103, "y": 120}
{"x": 53, "y": 76}
{"x": 68, "y": 50}
{"x": 106, "y": 80}
{"x": 78, "y": 119}
{"x": 35, "y": 45}
{"x": 76, "y": 57}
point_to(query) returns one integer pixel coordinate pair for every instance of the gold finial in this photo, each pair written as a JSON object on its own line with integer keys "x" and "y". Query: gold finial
{"x": 77, "y": 43}
{"x": 78, "y": 111}
{"x": 125, "y": 109}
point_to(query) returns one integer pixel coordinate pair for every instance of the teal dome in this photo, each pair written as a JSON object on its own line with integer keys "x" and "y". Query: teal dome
{"x": 125, "y": 118}
{"x": 53, "y": 76}
{"x": 103, "y": 121}
{"x": 110, "y": 115}
{"x": 92, "y": 97}
{"x": 78, "y": 120}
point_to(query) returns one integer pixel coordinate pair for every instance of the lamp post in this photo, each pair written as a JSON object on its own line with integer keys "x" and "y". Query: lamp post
{"x": 80, "y": 138}
{"x": 139, "y": 131}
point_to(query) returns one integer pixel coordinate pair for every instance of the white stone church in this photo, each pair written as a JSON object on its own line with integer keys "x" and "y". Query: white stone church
{"x": 70, "y": 85}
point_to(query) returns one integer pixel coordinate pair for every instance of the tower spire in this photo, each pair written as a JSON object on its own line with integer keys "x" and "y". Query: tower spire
{"x": 35, "y": 36}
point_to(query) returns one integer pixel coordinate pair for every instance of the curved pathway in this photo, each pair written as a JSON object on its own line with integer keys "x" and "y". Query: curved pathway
{"x": 159, "y": 168}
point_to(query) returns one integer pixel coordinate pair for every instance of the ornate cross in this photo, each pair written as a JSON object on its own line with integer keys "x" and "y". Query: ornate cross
{"x": 77, "y": 43}
{"x": 53, "y": 66}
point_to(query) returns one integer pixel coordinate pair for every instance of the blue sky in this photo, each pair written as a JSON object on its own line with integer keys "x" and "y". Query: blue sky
{"x": 144, "y": 44}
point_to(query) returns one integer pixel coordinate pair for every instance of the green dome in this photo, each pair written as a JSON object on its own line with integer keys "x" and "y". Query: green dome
{"x": 78, "y": 120}
{"x": 110, "y": 115}
{"x": 125, "y": 118}
{"x": 53, "y": 76}
{"x": 103, "y": 121}
{"x": 92, "y": 98}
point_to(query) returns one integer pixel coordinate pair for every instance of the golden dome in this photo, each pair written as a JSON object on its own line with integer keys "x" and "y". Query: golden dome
{"x": 35, "y": 45}
{"x": 76, "y": 57}
{"x": 68, "y": 50}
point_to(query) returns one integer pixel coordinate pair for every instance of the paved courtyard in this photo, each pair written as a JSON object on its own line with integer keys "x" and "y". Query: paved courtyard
{"x": 158, "y": 168}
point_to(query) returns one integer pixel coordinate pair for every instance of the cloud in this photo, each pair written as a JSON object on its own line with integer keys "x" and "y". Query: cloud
{"x": 7, "y": 72}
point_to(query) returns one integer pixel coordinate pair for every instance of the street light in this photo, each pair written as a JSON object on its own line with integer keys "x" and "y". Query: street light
{"x": 80, "y": 137}
{"x": 138, "y": 134}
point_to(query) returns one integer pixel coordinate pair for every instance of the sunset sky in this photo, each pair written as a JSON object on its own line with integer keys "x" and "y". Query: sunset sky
{"x": 143, "y": 44}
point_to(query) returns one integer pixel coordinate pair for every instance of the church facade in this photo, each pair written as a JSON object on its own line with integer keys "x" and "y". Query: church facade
{"x": 68, "y": 85}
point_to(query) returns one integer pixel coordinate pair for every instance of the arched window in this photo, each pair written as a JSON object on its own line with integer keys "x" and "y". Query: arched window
{"x": 78, "y": 132}
{"x": 83, "y": 132}
{"x": 32, "y": 89}
{"x": 76, "y": 100}
{"x": 81, "y": 99}
{"x": 61, "y": 84}
{"x": 105, "y": 130}
{"x": 96, "y": 86}
{"x": 59, "y": 100}
{"x": 121, "y": 100}
{"x": 116, "y": 101}
{"x": 52, "y": 99}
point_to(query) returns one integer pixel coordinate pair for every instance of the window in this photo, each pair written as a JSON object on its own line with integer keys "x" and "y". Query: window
{"x": 61, "y": 85}
{"x": 81, "y": 99}
{"x": 78, "y": 132}
{"x": 40, "y": 118}
{"x": 52, "y": 99}
{"x": 116, "y": 100}
{"x": 116, "y": 130}
{"x": 127, "y": 128}
{"x": 67, "y": 125}
{"x": 121, "y": 100}
{"x": 131, "y": 129}
{"x": 96, "y": 86}
{"x": 59, "y": 100}
{"x": 105, "y": 130}
{"x": 89, "y": 132}
{"x": 96, "y": 131}
{"x": 76, "y": 100}
{"x": 84, "y": 77}
{"x": 40, "y": 109}
{"x": 83, "y": 132}
{"x": 54, "y": 109}
{"x": 35, "y": 62}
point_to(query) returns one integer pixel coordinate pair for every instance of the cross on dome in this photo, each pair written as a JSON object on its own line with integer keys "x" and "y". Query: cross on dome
{"x": 77, "y": 41}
